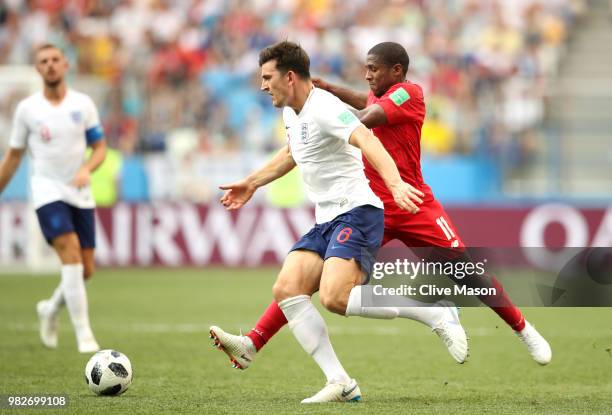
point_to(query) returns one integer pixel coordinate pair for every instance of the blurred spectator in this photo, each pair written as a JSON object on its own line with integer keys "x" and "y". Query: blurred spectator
{"x": 436, "y": 136}
{"x": 105, "y": 180}
{"x": 171, "y": 67}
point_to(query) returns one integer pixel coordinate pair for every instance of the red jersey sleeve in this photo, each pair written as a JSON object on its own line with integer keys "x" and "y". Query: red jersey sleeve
{"x": 403, "y": 103}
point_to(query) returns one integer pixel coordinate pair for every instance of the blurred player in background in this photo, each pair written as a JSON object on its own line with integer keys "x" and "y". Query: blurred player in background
{"x": 394, "y": 109}
{"x": 324, "y": 139}
{"x": 56, "y": 126}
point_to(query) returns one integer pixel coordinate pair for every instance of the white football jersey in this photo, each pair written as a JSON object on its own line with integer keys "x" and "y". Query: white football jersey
{"x": 331, "y": 168}
{"x": 56, "y": 138}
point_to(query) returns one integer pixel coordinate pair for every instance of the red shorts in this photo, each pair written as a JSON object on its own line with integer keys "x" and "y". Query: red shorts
{"x": 430, "y": 227}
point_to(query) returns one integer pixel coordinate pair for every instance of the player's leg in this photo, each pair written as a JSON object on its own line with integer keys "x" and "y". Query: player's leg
{"x": 89, "y": 265}
{"x": 268, "y": 324}
{"x": 500, "y": 302}
{"x": 341, "y": 293}
{"x": 350, "y": 257}
{"x": 54, "y": 304}
{"x": 297, "y": 281}
{"x": 354, "y": 243}
{"x": 85, "y": 228}
{"x": 84, "y": 225}
{"x": 309, "y": 328}
{"x": 432, "y": 227}
{"x": 69, "y": 231}
{"x": 241, "y": 349}
{"x": 295, "y": 277}
{"x": 73, "y": 287}
{"x": 54, "y": 220}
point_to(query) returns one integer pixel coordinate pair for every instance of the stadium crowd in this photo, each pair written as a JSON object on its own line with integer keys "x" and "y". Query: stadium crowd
{"x": 181, "y": 76}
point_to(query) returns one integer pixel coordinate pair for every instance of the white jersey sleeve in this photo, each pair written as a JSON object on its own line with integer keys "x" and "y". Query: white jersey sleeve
{"x": 336, "y": 120}
{"x": 19, "y": 134}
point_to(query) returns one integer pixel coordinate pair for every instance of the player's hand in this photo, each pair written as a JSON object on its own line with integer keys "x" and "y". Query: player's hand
{"x": 82, "y": 178}
{"x": 407, "y": 197}
{"x": 237, "y": 194}
{"x": 319, "y": 83}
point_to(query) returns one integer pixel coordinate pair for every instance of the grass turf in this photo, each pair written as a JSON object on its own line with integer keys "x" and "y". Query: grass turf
{"x": 159, "y": 318}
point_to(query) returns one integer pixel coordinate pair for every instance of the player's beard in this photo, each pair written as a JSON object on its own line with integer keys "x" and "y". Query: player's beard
{"x": 53, "y": 84}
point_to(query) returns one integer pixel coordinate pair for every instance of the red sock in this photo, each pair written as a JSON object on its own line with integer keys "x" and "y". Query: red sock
{"x": 503, "y": 306}
{"x": 270, "y": 322}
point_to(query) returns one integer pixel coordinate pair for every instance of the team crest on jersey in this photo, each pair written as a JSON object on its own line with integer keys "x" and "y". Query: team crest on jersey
{"x": 76, "y": 116}
{"x": 304, "y": 132}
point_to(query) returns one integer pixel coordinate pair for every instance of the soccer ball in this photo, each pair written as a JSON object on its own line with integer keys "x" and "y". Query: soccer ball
{"x": 108, "y": 372}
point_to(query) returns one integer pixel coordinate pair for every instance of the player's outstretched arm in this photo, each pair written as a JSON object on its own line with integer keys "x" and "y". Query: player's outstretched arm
{"x": 406, "y": 196}
{"x": 372, "y": 116}
{"x": 8, "y": 167}
{"x": 83, "y": 176}
{"x": 239, "y": 193}
{"x": 355, "y": 99}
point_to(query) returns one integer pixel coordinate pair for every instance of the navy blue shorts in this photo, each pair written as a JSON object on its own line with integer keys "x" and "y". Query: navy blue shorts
{"x": 58, "y": 218}
{"x": 354, "y": 234}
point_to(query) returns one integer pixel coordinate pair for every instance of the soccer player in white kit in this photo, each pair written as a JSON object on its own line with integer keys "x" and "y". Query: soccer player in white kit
{"x": 55, "y": 126}
{"x": 323, "y": 140}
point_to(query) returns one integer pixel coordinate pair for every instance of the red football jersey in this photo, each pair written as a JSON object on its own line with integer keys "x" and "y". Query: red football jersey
{"x": 405, "y": 109}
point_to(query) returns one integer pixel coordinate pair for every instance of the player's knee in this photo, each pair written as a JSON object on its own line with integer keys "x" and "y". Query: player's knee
{"x": 68, "y": 249}
{"x": 70, "y": 255}
{"x": 285, "y": 288}
{"x": 281, "y": 290}
{"x": 333, "y": 303}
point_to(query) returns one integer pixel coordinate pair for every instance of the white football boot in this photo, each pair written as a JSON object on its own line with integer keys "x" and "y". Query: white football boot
{"x": 337, "y": 392}
{"x": 451, "y": 332}
{"x": 88, "y": 345}
{"x": 240, "y": 349}
{"x": 49, "y": 324}
{"x": 538, "y": 347}
{"x": 86, "y": 341}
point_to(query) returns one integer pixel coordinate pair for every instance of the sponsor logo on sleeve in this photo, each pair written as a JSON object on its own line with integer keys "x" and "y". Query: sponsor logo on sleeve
{"x": 399, "y": 96}
{"x": 347, "y": 117}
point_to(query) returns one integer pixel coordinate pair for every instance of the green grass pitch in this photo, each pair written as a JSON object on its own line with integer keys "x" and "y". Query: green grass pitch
{"x": 160, "y": 317}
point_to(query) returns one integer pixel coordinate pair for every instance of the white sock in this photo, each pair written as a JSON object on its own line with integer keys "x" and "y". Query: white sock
{"x": 73, "y": 288}
{"x": 56, "y": 301}
{"x": 419, "y": 311}
{"x": 310, "y": 331}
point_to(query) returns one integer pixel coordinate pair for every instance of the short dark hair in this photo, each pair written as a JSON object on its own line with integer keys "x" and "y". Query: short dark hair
{"x": 289, "y": 56}
{"x": 391, "y": 53}
{"x": 46, "y": 46}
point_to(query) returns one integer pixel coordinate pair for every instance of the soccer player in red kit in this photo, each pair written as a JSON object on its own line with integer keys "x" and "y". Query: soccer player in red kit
{"x": 394, "y": 109}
